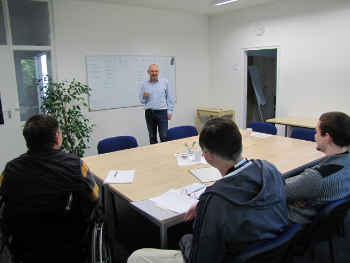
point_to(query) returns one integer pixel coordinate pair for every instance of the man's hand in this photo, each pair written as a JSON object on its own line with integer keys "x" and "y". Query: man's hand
{"x": 300, "y": 203}
{"x": 145, "y": 94}
{"x": 169, "y": 116}
{"x": 191, "y": 213}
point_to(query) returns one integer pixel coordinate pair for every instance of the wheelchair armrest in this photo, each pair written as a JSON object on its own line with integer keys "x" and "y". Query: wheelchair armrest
{"x": 68, "y": 206}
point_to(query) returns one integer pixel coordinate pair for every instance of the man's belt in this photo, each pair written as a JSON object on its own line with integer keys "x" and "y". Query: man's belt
{"x": 155, "y": 111}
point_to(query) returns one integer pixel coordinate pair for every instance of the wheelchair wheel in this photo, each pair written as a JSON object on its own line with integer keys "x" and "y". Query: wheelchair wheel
{"x": 94, "y": 243}
{"x": 104, "y": 250}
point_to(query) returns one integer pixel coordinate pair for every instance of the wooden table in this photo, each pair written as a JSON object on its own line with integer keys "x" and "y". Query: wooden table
{"x": 157, "y": 170}
{"x": 295, "y": 121}
{"x": 213, "y": 112}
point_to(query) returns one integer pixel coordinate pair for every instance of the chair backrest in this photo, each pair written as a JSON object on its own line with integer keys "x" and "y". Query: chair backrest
{"x": 277, "y": 250}
{"x": 44, "y": 234}
{"x": 182, "y": 132}
{"x": 263, "y": 127}
{"x": 303, "y": 134}
{"x": 327, "y": 222}
{"x": 116, "y": 144}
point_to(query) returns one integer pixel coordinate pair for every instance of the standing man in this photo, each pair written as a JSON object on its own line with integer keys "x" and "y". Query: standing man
{"x": 327, "y": 181}
{"x": 246, "y": 208}
{"x": 159, "y": 104}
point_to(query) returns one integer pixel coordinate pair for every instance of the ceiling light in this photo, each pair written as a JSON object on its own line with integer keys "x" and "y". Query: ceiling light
{"x": 222, "y": 2}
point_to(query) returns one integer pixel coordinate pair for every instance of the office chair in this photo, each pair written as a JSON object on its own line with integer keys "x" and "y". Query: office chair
{"x": 303, "y": 134}
{"x": 324, "y": 227}
{"x": 57, "y": 233}
{"x": 277, "y": 250}
{"x": 114, "y": 144}
{"x": 180, "y": 132}
{"x": 263, "y": 127}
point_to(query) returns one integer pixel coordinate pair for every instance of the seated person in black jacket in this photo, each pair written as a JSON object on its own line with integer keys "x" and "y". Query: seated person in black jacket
{"x": 44, "y": 175}
{"x": 246, "y": 208}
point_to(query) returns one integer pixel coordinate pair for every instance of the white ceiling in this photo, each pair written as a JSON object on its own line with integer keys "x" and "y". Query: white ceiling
{"x": 200, "y": 7}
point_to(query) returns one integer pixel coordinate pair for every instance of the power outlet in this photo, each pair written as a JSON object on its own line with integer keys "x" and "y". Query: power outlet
{"x": 235, "y": 66}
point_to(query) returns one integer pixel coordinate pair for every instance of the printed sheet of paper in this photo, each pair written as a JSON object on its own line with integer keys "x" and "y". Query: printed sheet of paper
{"x": 175, "y": 201}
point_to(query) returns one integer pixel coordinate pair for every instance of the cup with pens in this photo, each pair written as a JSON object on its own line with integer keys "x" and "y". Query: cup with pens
{"x": 190, "y": 149}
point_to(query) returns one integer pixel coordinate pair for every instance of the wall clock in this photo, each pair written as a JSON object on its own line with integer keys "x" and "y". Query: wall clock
{"x": 259, "y": 29}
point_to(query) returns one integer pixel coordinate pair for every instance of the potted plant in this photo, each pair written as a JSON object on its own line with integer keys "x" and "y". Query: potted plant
{"x": 66, "y": 101}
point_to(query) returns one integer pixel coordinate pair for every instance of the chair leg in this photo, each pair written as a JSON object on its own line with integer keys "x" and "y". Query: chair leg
{"x": 331, "y": 250}
{"x": 115, "y": 211}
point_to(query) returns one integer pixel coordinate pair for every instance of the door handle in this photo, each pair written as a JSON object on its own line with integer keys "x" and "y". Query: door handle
{"x": 9, "y": 113}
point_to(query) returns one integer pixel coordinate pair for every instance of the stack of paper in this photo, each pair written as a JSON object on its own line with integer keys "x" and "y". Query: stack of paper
{"x": 180, "y": 200}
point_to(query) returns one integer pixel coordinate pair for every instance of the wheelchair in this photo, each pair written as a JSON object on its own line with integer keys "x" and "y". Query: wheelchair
{"x": 58, "y": 233}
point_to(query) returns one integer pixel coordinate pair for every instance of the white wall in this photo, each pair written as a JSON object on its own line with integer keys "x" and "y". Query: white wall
{"x": 313, "y": 62}
{"x": 85, "y": 28}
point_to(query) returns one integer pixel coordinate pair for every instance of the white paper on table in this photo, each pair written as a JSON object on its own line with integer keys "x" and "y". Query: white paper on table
{"x": 206, "y": 175}
{"x": 122, "y": 177}
{"x": 174, "y": 201}
{"x": 261, "y": 135}
{"x": 191, "y": 161}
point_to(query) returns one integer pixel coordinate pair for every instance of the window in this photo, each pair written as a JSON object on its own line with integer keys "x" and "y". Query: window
{"x": 31, "y": 66}
{"x": 30, "y": 42}
{"x": 29, "y": 22}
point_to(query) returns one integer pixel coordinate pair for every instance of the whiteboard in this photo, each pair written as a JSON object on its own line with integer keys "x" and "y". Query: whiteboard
{"x": 115, "y": 81}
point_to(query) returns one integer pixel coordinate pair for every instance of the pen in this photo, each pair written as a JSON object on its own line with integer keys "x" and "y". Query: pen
{"x": 199, "y": 189}
{"x": 115, "y": 174}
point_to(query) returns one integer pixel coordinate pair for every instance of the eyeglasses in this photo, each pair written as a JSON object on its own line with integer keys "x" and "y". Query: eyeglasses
{"x": 190, "y": 195}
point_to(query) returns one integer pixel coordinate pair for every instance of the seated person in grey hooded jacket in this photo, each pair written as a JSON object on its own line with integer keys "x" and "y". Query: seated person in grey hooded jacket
{"x": 246, "y": 208}
{"x": 327, "y": 181}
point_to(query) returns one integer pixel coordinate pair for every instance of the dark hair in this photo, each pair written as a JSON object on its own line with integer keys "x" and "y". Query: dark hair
{"x": 337, "y": 125}
{"x": 39, "y": 131}
{"x": 221, "y": 137}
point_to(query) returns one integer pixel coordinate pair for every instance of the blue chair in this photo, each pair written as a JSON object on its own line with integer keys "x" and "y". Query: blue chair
{"x": 263, "y": 127}
{"x": 324, "y": 227}
{"x": 303, "y": 134}
{"x": 181, "y": 132}
{"x": 118, "y": 143}
{"x": 277, "y": 250}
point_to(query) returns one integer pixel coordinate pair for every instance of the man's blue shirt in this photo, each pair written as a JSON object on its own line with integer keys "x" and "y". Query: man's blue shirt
{"x": 159, "y": 97}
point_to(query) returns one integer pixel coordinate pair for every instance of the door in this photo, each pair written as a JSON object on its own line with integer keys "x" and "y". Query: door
{"x": 12, "y": 143}
{"x": 24, "y": 25}
{"x": 265, "y": 61}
